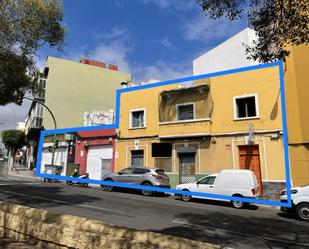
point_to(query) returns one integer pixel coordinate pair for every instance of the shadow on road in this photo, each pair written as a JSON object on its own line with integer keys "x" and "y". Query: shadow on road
{"x": 50, "y": 196}
{"x": 230, "y": 229}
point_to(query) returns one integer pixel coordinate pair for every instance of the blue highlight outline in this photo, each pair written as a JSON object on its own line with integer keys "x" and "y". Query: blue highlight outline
{"x": 175, "y": 191}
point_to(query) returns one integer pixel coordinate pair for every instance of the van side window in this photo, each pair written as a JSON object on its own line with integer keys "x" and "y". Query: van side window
{"x": 208, "y": 180}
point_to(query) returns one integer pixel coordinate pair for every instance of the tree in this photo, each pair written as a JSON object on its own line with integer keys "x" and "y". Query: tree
{"x": 13, "y": 140}
{"x": 278, "y": 23}
{"x": 25, "y": 26}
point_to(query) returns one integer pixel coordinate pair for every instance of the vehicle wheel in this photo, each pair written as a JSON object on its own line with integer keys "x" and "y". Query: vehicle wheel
{"x": 186, "y": 198}
{"x": 147, "y": 192}
{"x": 69, "y": 182}
{"x": 107, "y": 188}
{"x": 302, "y": 212}
{"x": 85, "y": 184}
{"x": 238, "y": 204}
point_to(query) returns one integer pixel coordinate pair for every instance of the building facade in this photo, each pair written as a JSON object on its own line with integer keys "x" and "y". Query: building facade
{"x": 94, "y": 152}
{"x": 297, "y": 101}
{"x": 231, "y": 54}
{"x": 71, "y": 89}
{"x": 226, "y": 122}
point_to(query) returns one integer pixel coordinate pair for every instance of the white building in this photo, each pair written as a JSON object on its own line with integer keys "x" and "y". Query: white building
{"x": 228, "y": 55}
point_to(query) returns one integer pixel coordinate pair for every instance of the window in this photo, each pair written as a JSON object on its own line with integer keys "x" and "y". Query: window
{"x": 39, "y": 110}
{"x": 140, "y": 171}
{"x": 245, "y": 107}
{"x": 137, "y": 158}
{"x": 161, "y": 150}
{"x": 208, "y": 180}
{"x": 137, "y": 119}
{"x": 185, "y": 111}
{"x": 125, "y": 171}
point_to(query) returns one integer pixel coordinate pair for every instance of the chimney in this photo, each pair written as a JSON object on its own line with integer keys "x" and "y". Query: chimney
{"x": 113, "y": 67}
{"x": 92, "y": 62}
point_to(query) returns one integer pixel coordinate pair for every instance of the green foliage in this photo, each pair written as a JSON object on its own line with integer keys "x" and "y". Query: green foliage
{"x": 25, "y": 25}
{"x": 278, "y": 23}
{"x": 13, "y": 139}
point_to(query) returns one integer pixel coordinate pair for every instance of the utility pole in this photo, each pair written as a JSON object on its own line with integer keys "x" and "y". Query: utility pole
{"x": 55, "y": 125}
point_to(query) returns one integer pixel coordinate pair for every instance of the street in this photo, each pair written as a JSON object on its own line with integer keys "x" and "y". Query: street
{"x": 213, "y": 222}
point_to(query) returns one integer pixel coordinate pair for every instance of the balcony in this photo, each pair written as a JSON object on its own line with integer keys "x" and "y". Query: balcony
{"x": 185, "y": 112}
{"x": 185, "y": 128}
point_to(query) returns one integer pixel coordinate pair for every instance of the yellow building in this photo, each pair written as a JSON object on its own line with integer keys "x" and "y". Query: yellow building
{"x": 190, "y": 130}
{"x": 297, "y": 103}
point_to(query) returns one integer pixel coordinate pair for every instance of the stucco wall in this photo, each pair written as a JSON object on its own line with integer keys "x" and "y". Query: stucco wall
{"x": 73, "y": 88}
{"x": 228, "y": 55}
{"x": 212, "y": 157}
{"x": 263, "y": 82}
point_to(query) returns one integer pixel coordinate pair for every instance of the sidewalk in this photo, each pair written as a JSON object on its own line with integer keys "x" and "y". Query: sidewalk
{"x": 23, "y": 172}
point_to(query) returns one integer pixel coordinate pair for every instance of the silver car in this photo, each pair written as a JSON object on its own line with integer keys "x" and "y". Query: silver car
{"x": 140, "y": 176}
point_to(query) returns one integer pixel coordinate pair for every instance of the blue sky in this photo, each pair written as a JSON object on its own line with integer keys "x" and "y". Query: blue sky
{"x": 148, "y": 38}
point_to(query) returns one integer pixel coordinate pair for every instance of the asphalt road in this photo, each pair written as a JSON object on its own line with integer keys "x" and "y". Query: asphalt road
{"x": 213, "y": 222}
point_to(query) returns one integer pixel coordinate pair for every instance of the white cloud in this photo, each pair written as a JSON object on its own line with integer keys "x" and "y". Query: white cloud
{"x": 182, "y": 5}
{"x": 162, "y": 71}
{"x": 167, "y": 43}
{"x": 112, "y": 53}
{"x": 204, "y": 29}
{"x": 116, "y": 33}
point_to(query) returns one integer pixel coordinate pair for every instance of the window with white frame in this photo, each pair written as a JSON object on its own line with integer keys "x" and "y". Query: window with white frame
{"x": 185, "y": 111}
{"x": 137, "y": 118}
{"x": 246, "y": 107}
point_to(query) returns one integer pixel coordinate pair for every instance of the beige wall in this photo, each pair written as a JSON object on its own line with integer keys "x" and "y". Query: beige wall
{"x": 212, "y": 157}
{"x": 74, "y": 88}
{"x": 263, "y": 82}
{"x": 297, "y": 89}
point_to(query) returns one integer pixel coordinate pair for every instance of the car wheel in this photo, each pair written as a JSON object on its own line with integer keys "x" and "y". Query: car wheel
{"x": 186, "y": 198}
{"x": 302, "y": 212}
{"x": 147, "y": 192}
{"x": 107, "y": 188}
{"x": 238, "y": 204}
{"x": 85, "y": 184}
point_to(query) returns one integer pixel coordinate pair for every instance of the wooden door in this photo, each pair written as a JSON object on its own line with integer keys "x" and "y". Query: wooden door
{"x": 249, "y": 158}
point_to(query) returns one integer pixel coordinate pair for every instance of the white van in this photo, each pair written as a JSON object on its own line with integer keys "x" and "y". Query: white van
{"x": 241, "y": 183}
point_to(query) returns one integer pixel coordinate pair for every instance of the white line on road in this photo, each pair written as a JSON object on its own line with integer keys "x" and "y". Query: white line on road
{"x": 184, "y": 222}
{"x": 65, "y": 202}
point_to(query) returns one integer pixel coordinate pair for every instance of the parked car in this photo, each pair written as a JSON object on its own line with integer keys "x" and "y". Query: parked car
{"x": 140, "y": 176}
{"x": 240, "y": 183}
{"x": 300, "y": 202}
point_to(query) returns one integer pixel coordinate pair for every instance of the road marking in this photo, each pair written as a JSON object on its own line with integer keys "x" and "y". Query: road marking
{"x": 65, "y": 202}
{"x": 184, "y": 222}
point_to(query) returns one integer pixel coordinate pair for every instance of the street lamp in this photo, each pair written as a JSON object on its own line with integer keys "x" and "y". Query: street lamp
{"x": 55, "y": 125}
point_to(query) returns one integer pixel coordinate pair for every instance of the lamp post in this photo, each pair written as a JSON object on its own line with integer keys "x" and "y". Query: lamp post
{"x": 55, "y": 125}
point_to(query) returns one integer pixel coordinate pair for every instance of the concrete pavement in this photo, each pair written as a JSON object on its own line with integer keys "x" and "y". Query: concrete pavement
{"x": 206, "y": 221}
